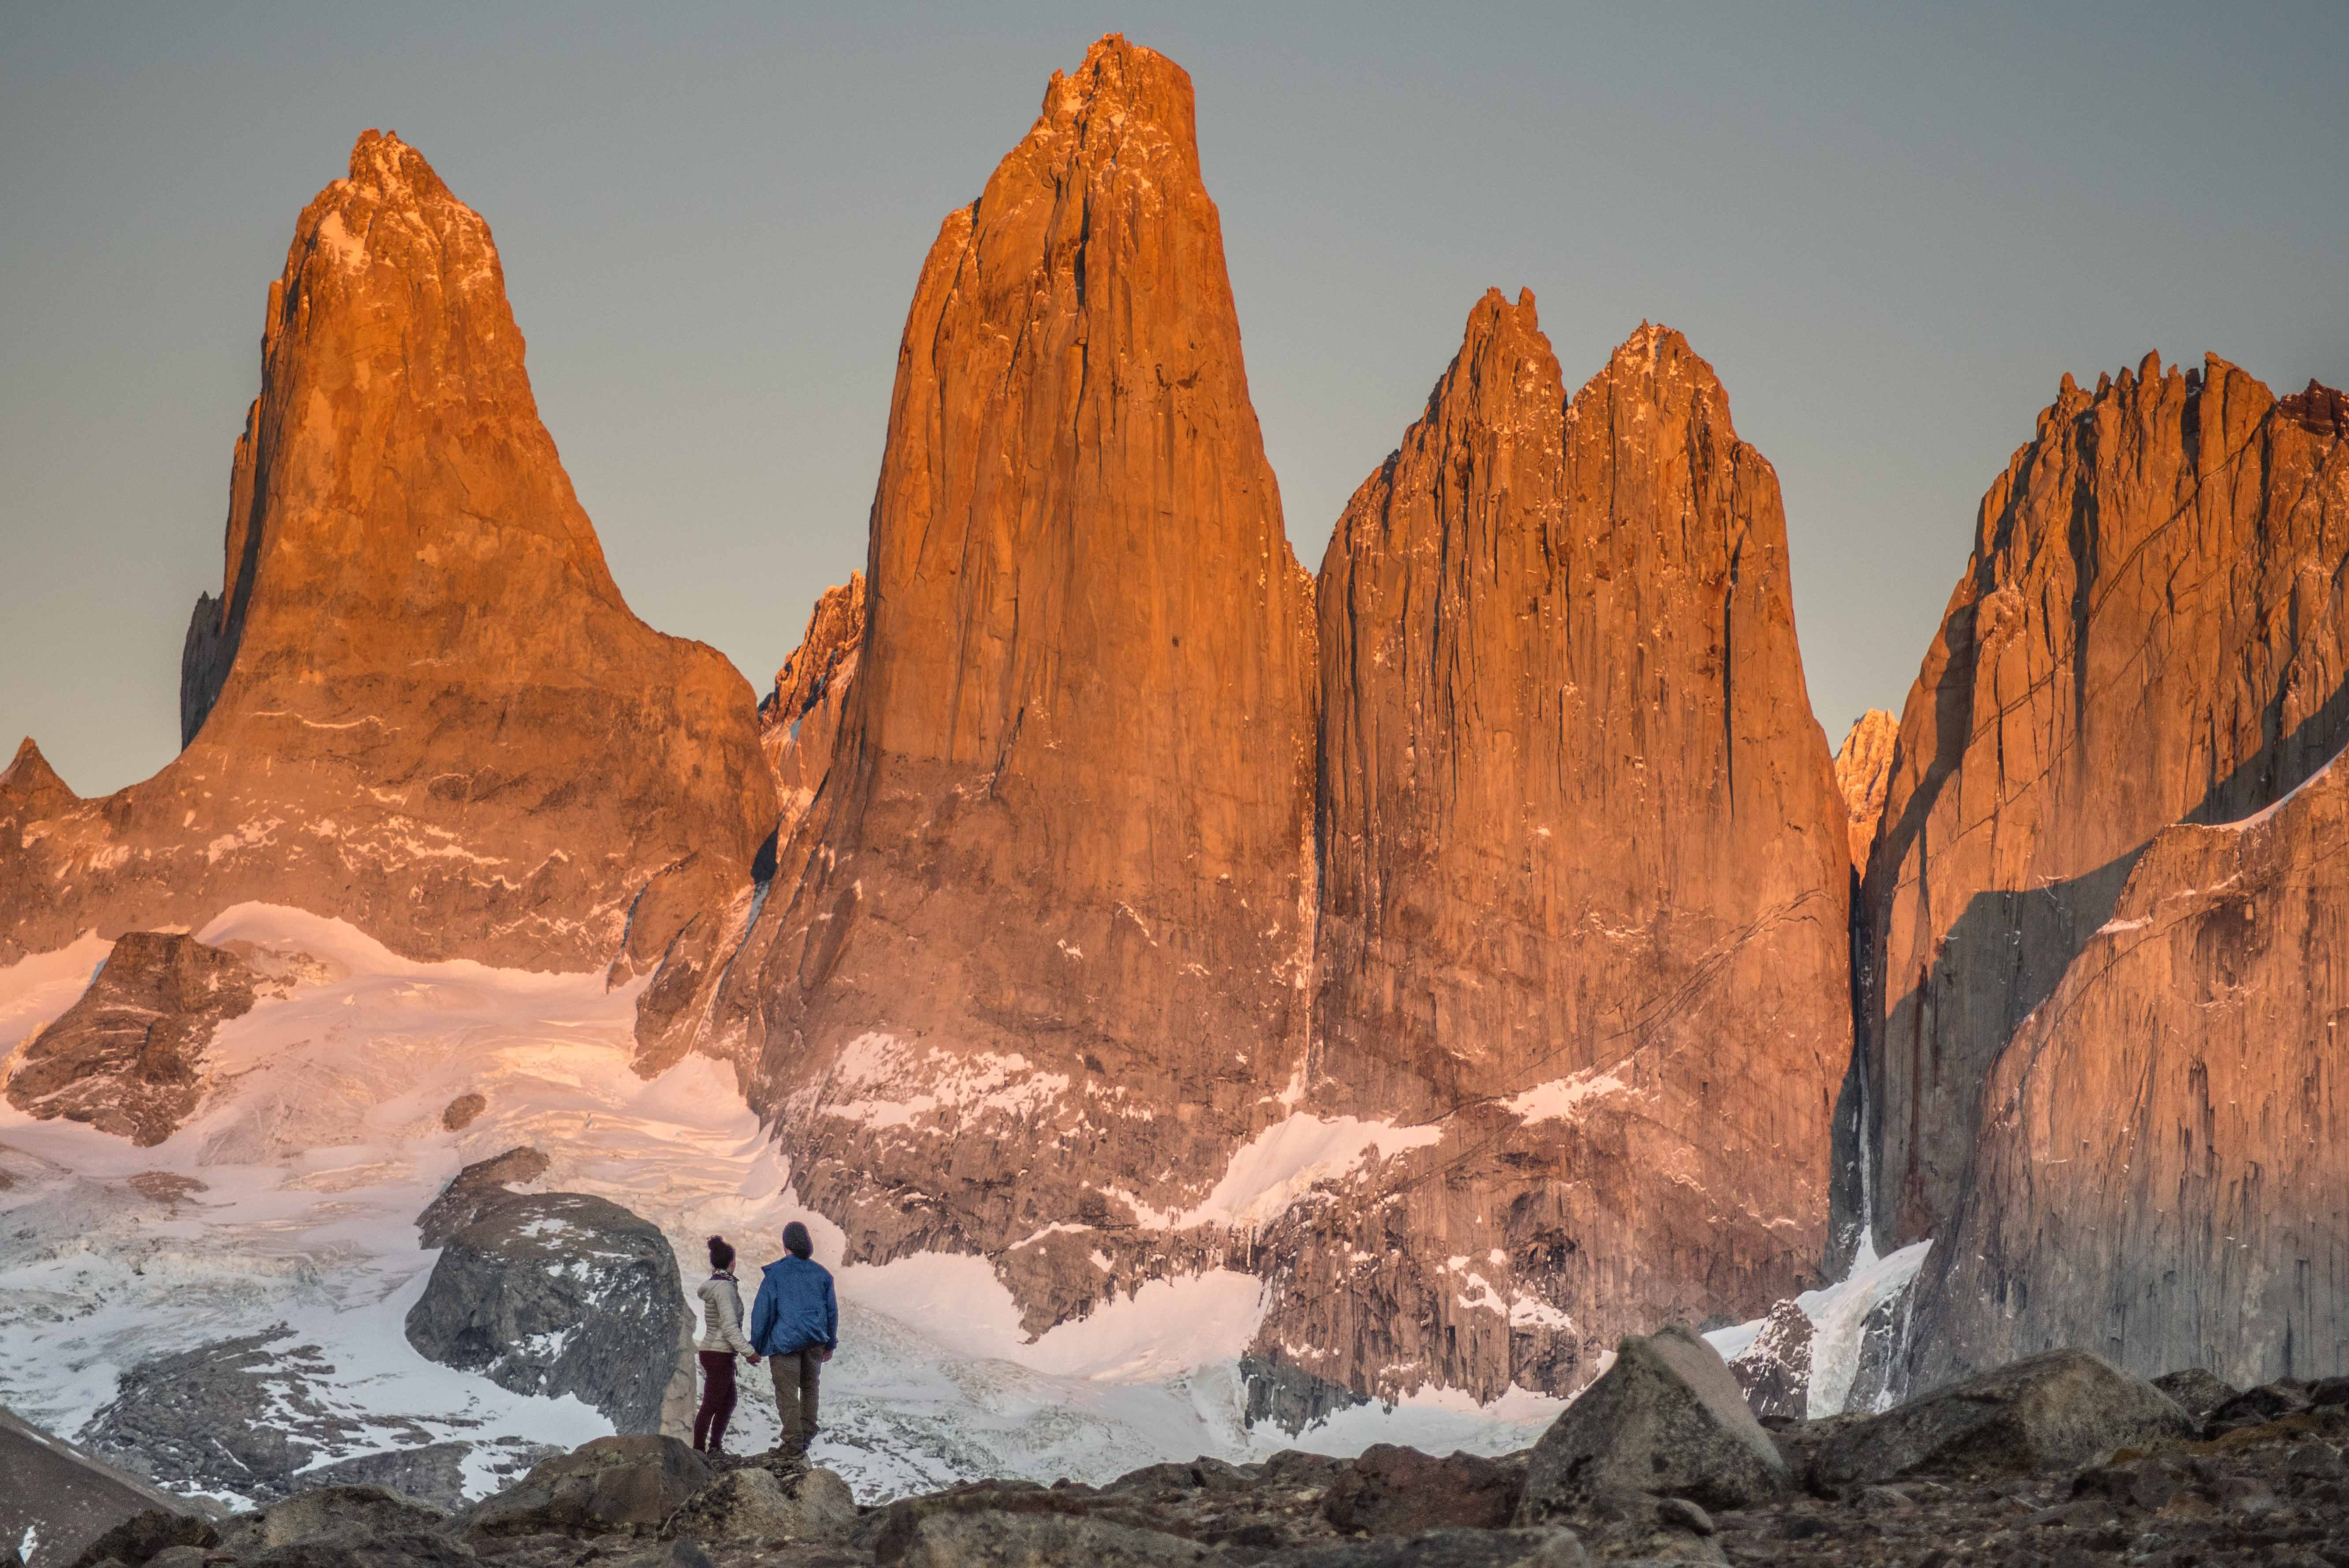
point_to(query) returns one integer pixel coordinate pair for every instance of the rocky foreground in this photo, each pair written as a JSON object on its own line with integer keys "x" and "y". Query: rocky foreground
{"x": 2059, "y": 1459}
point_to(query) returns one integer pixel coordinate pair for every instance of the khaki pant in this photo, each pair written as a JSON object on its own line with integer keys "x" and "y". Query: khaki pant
{"x": 795, "y": 1373}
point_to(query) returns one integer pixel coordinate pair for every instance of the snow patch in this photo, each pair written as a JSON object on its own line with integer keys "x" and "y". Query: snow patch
{"x": 1563, "y": 1099}
{"x": 1281, "y": 1164}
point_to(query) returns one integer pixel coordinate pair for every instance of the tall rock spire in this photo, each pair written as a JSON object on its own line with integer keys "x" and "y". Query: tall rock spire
{"x": 1584, "y": 900}
{"x": 419, "y": 702}
{"x": 2154, "y": 628}
{"x": 1055, "y": 898}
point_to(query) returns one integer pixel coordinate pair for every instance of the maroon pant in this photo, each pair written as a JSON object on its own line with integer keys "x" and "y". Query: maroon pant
{"x": 717, "y": 1401}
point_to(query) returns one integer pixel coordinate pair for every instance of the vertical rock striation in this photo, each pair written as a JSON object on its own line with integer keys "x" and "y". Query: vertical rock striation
{"x": 2151, "y": 631}
{"x": 419, "y": 702}
{"x": 1050, "y": 940}
{"x": 2162, "y": 1164}
{"x": 1585, "y": 885}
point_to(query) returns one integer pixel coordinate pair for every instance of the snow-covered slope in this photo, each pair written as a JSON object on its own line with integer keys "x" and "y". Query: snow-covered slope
{"x": 290, "y": 1199}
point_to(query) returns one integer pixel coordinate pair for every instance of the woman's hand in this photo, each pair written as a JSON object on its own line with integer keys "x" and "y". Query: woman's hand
{"x": 755, "y": 1361}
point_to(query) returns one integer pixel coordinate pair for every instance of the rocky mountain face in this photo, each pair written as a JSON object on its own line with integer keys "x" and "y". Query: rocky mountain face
{"x": 2151, "y": 631}
{"x": 1863, "y": 772}
{"x": 419, "y": 702}
{"x": 799, "y": 721}
{"x": 128, "y": 1056}
{"x": 1606, "y": 994}
{"x": 1071, "y": 795}
{"x": 2160, "y": 1163}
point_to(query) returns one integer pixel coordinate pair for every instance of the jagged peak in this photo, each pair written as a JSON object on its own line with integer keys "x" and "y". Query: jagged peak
{"x": 1124, "y": 87}
{"x": 30, "y": 777}
{"x": 1657, "y": 362}
{"x": 836, "y": 627}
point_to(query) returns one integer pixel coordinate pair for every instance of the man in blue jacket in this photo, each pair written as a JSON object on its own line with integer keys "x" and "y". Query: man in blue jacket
{"x": 795, "y": 1324}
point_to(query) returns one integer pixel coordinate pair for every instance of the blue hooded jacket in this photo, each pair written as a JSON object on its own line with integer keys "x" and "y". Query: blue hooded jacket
{"x": 795, "y": 1308}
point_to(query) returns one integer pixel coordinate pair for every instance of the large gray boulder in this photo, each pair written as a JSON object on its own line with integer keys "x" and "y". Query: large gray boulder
{"x": 622, "y": 1483}
{"x": 477, "y": 1189}
{"x": 1389, "y": 1489}
{"x": 2058, "y": 1410}
{"x": 1668, "y": 1419}
{"x": 62, "y": 1497}
{"x": 756, "y": 1504}
{"x": 558, "y": 1293}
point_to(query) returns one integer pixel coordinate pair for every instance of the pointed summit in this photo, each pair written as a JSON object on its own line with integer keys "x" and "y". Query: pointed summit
{"x": 30, "y": 780}
{"x": 1584, "y": 885}
{"x": 418, "y": 702}
{"x": 1073, "y": 786}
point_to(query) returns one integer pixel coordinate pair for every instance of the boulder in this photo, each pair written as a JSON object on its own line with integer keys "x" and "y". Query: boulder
{"x": 431, "y": 1473}
{"x": 1667, "y": 1418}
{"x": 558, "y": 1293}
{"x": 146, "y": 1534}
{"x": 1205, "y": 1473}
{"x": 993, "y": 1539}
{"x": 61, "y": 1497}
{"x": 128, "y": 1058}
{"x": 1452, "y": 1548}
{"x": 2059, "y": 1410}
{"x": 460, "y": 1112}
{"x": 394, "y": 1549}
{"x": 1393, "y": 1491}
{"x": 329, "y": 1512}
{"x": 236, "y": 1417}
{"x": 2196, "y": 1390}
{"x": 634, "y": 1482}
{"x": 756, "y": 1504}
{"x": 1776, "y": 1369}
{"x": 475, "y": 1190}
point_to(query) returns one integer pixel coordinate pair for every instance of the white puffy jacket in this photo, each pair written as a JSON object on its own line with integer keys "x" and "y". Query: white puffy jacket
{"x": 721, "y": 1317}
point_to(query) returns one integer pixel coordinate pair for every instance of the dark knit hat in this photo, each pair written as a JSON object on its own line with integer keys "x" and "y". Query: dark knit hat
{"x": 797, "y": 1242}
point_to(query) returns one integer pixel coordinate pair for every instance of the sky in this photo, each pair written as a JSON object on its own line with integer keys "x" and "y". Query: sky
{"x": 1891, "y": 229}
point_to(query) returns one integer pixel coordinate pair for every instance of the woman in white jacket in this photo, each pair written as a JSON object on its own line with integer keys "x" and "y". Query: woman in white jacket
{"x": 721, "y": 1341}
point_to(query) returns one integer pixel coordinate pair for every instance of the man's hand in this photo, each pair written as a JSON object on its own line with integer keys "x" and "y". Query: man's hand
{"x": 823, "y": 1356}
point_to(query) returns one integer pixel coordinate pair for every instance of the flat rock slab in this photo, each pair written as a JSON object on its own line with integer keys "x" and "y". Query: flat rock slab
{"x": 610, "y": 1484}
{"x": 2058, "y": 1410}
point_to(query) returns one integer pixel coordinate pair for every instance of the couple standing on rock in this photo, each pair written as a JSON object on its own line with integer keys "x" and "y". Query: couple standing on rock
{"x": 795, "y": 1323}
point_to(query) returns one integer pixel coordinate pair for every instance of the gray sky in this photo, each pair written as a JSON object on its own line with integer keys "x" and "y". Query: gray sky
{"x": 1891, "y": 234}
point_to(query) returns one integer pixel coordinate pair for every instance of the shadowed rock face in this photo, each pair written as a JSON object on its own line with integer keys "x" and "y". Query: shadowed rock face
{"x": 1050, "y": 940}
{"x": 1584, "y": 884}
{"x": 1863, "y": 772}
{"x": 2161, "y": 1159}
{"x": 419, "y": 702}
{"x": 128, "y": 1058}
{"x": 2150, "y": 631}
